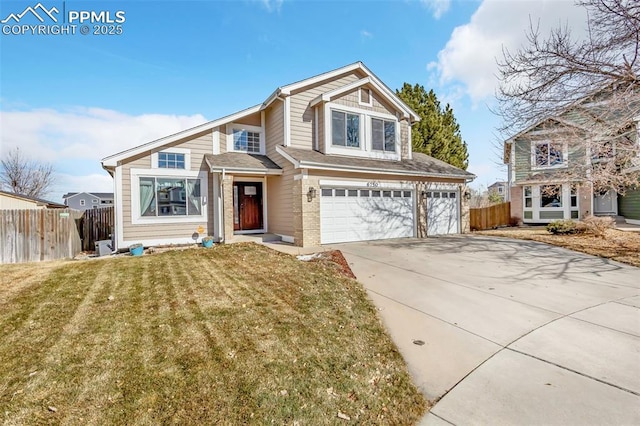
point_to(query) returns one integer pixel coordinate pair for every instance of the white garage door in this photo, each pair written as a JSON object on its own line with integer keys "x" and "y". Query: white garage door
{"x": 442, "y": 212}
{"x": 365, "y": 214}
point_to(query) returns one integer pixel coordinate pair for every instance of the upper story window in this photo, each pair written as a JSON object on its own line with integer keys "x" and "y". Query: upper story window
{"x": 171, "y": 160}
{"x": 383, "y": 135}
{"x": 245, "y": 140}
{"x": 345, "y": 129}
{"x": 547, "y": 154}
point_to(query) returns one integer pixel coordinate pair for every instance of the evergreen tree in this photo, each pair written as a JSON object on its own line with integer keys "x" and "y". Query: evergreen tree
{"x": 437, "y": 133}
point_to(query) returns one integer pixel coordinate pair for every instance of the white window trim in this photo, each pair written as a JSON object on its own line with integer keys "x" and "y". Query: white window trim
{"x": 185, "y": 151}
{"x": 82, "y": 202}
{"x": 365, "y": 133}
{"x": 94, "y": 201}
{"x": 396, "y": 133}
{"x": 237, "y": 126}
{"x": 136, "y": 174}
{"x": 535, "y": 202}
{"x": 360, "y": 102}
{"x": 565, "y": 156}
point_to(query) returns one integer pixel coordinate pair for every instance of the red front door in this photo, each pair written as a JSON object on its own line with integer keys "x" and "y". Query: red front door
{"x": 247, "y": 205}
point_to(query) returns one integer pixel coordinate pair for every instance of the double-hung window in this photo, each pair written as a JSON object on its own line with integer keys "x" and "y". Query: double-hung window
{"x": 547, "y": 154}
{"x": 345, "y": 129}
{"x": 383, "y": 135}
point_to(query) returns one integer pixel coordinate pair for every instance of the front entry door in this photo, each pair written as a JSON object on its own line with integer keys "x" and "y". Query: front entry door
{"x": 247, "y": 206}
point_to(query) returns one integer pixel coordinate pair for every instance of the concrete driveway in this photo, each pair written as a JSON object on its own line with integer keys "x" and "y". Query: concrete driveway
{"x": 515, "y": 332}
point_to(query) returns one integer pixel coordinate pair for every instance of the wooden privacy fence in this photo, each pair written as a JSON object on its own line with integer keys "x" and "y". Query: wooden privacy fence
{"x": 490, "y": 217}
{"x": 95, "y": 225}
{"x": 36, "y": 235}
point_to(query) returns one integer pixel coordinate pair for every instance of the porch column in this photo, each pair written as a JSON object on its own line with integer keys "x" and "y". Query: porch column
{"x": 227, "y": 202}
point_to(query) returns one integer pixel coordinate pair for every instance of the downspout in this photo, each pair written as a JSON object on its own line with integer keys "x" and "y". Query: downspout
{"x": 223, "y": 237}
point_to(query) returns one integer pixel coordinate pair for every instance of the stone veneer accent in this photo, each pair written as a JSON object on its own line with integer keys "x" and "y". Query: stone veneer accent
{"x": 306, "y": 214}
{"x": 227, "y": 195}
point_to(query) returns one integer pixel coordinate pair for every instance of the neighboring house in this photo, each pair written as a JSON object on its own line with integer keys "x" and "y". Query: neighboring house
{"x": 323, "y": 160}
{"x": 499, "y": 188}
{"x": 538, "y": 157}
{"x": 88, "y": 200}
{"x": 11, "y": 201}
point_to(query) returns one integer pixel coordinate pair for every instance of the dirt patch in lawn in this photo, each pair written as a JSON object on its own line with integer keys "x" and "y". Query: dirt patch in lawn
{"x": 235, "y": 334}
{"x": 622, "y": 246}
{"x": 335, "y": 259}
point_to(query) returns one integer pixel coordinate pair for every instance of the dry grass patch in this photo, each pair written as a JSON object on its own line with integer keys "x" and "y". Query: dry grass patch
{"x": 230, "y": 335}
{"x": 616, "y": 245}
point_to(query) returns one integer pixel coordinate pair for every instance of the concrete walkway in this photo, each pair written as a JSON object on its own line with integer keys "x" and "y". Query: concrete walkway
{"x": 515, "y": 332}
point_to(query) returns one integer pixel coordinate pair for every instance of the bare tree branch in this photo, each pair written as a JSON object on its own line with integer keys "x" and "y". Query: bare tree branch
{"x": 584, "y": 94}
{"x": 22, "y": 176}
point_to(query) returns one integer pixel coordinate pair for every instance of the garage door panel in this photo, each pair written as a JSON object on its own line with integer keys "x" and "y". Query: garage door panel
{"x": 442, "y": 212}
{"x": 363, "y": 216}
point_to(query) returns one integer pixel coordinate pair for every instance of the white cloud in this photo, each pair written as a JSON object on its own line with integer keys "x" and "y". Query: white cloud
{"x": 272, "y": 5}
{"x": 76, "y": 139}
{"x": 437, "y": 7}
{"x": 469, "y": 57}
{"x": 364, "y": 34}
{"x": 80, "y": 133}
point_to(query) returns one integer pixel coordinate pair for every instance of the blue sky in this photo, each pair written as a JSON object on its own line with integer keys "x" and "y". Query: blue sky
{"x": 72, "y": 99}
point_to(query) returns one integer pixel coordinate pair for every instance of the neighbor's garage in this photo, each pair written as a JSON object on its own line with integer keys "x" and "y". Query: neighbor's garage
{"x": 442, "y": 212}
{"x": 350, "y": 214}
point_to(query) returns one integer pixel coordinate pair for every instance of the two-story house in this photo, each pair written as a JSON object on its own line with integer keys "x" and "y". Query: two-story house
{"x": 323, "y": 160}
{"x": 498, "y": 188}
{"x": 88, "y": 200}
{"x": 552, "y": 164}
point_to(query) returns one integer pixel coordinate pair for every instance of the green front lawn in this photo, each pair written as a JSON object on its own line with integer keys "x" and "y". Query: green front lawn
{"x": 230, "y": 335}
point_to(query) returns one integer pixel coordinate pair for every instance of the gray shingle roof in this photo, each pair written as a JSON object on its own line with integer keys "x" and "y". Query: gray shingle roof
{"x": 242, "y": 161}
{"x": 420, "y": 165}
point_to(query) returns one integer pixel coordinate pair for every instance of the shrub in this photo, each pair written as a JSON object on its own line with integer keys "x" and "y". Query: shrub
{"x": 597, "y": 225}
{"x": 562, "y": 227}
{"x": 514, "y": 221}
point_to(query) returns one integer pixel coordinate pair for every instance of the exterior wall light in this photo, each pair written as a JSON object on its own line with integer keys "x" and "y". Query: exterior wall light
{"x": 311, "y": 194}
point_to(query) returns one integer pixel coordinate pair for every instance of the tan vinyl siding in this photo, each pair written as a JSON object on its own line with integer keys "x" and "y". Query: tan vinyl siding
{"x": 280, "y": 199}
{"x": 279, "y": 188}
{"x": 274, "y": 123}
{"x": 223, "y": 138}
{"x": 199, "y": 145}
{"x": 251, "y": 120}
{"x": 352, "y": 99}
{"x": 302, "y": 116}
